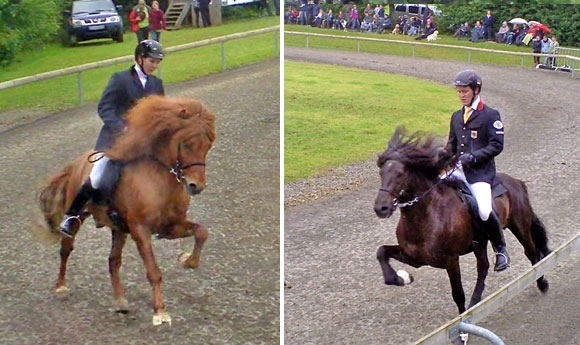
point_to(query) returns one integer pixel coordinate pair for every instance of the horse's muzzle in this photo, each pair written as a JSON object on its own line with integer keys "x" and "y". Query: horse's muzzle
{"x": 194, "y": 189}
{"x": 384, "y": 211}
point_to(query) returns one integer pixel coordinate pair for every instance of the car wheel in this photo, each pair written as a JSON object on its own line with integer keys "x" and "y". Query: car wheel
{"x": 73, "y": 40}
{"x": 119, "y": 37}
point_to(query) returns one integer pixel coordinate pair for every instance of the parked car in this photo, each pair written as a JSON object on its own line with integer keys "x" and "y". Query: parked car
{"x": 93, "y": 19}
{"x": 413, "y": 10}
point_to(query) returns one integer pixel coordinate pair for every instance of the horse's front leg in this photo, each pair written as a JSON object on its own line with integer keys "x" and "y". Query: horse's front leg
{"x": 187, "y": 229}
{"x": 115, "y": 260}
{"x": 400, "y": 278}
{"x": 66, "y": 248}
{"x": 142, "y": 237}
{"x": 454, "y": 273}
{"x": 480, "y": 251}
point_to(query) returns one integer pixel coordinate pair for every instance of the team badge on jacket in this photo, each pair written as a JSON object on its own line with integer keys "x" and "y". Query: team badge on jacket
{"x": 473, "y": 134}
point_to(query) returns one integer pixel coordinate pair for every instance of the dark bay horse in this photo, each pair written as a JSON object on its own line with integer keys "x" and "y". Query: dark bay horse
{"x": 164, "y": 153}
{"x": 435, "y": 227}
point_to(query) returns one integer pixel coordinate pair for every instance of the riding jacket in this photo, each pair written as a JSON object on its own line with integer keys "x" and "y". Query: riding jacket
{"x": 120, "y": 95}
{"x": 482, "y": 136}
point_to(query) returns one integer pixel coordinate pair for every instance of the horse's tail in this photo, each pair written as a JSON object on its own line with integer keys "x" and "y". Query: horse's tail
{"x": 52, "y": 198}
{"x": 538, "y": 230}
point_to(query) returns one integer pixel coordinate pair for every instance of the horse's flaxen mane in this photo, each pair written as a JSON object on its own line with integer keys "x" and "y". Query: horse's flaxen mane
{"x": 154, "y": 120}
{"x": 419, "y": 151}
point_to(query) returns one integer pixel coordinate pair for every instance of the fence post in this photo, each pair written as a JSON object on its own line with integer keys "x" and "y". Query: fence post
{"x": 277, "y": 43}
{"x": 307, "y": 45}
{"x": 80, "y": 86}
{"x": 468, "y": 55}
{"x": 358, "y": 46}
{"x": 223, "y": 49}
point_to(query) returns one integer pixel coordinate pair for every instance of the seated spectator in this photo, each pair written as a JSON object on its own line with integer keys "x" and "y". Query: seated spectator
{"x": 366, "y": 24}
{"x": 500, "y": 36}
{"x": 318, "y": 19}
{"x": 383, "y": 23}
{"x": 511, "y": 35}
{"x": 463, "y": 31}
{"x": 477, "y": 32}
{"x": 402, "y": 21}
{"x": 413, "y": 26}
{"x": 329, "y": 22}
{"x": 338, "y": 22}
{"x": 429, "y": 29}
{"x": 521, "y": 35}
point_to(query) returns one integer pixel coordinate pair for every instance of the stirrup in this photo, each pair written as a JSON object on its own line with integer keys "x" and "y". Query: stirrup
{"x": 64, "y": 229}
{"x": 507, "y": 260}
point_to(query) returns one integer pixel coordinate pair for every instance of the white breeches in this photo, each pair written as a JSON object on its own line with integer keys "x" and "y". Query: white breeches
{"x": 480, "y": 190}
{"x": 98, "y": 170}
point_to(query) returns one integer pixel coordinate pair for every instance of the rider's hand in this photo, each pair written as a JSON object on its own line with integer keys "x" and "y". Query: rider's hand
{"x": 467, "y": 159}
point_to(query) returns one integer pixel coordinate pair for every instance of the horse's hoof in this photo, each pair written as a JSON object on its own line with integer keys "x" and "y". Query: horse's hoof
{"x": 62, "y": 291}
{"x": 543, "y": 285}
{"x": 407, "y": 278}
{"x": 186, "y": 261}
{"x": 161, "y": 318}
{"x": 122, "y": 306}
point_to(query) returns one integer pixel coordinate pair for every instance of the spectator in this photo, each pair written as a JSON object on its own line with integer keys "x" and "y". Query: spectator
{"x": 196, "y": 12}
{"x": 139, "y": 19}
{"x": 384, "y": 23}
{"x": 545, "y": 47}
{"x": 204, "y": 10}
{"x": 500, "y": 36}
{"x": 329, "y": 19}
{"x": 339, "y": 22}
{"x": 553, "y": 50}
{"x": 511, "y": 36}
{"x": 157, "y": 21}
{"x": 429, "y": 29}
{"x": 264, "y": 4}
{"x": 487, "y": 26}
{"x": 315, "y": 10}
{"x": 463, "y": 31}
{"x": 318, "y": 19}
{"x": 427, "y": 15}
{"x": 536, "y": 49}
{"x": 413, "y": 26}
{"x": 477, "y": 32}
{"x": 381, "y": 11}
{"x": 354, "y": 22}
{"x": 366, "y": 24}
{"x": 521, "y": 35}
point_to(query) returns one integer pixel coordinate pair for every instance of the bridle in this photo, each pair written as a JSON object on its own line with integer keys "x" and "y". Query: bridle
{"x": 178, "y": 168}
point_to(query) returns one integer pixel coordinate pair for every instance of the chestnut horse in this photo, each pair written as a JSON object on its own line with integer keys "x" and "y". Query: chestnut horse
{"x": 435, "y": 227}
{"x": 163, "y": 152}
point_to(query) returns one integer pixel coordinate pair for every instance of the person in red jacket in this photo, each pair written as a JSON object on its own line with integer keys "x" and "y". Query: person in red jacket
{"x": 156, "y": 21}
{"x": 139, "y": 19}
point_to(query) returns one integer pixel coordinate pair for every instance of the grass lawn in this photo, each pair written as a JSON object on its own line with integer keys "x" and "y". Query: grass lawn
{"x": 424, "y": 51}
{"x": 61, "y": 93}
{"x": 326, "y": 128}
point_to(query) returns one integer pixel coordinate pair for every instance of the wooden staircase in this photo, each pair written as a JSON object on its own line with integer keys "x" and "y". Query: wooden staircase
{"x": 176, "y": 13}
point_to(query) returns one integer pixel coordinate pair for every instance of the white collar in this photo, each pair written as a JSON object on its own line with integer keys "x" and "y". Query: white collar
{"x": 142, "y": 76}
{"x": 475, "y": 103}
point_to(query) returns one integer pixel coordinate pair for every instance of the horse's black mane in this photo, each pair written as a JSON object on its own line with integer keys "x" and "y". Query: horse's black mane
{"x": 419, "y": 151}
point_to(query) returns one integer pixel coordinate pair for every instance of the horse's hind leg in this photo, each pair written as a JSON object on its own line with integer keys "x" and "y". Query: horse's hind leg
{"x": 115, "y": 260}
{"x": 66, "y": 248}
{"x": 384, "y": 253}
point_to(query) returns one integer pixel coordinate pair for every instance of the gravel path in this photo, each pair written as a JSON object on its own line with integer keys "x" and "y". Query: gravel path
{"x": 334, "y": 292}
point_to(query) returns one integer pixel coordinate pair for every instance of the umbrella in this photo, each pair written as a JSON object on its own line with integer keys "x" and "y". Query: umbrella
{"x": 533, "y": 22}
{"x": 539, "y": 28}
{"x": 518, "y": 21}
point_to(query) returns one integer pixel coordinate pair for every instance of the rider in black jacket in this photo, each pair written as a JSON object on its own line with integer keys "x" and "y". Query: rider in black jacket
{"x": 476, "y": 136}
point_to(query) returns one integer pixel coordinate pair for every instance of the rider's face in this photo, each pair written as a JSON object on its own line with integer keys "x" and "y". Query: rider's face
{"x": 465, "y": 94}
{"x": 149, "y": 65}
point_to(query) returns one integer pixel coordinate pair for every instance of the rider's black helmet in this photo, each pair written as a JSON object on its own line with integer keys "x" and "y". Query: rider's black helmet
{"x": 149, "y": 48}
{"x": 468, "y": 78}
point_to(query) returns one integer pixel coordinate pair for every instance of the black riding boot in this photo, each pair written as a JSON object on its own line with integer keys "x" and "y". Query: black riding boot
{"x": 495, "y": 232}
{"x": 73, "y": 215}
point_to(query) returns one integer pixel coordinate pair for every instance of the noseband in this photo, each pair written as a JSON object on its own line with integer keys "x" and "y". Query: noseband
{"x": 396, "y": 198}
{"x": 178, "y": 168}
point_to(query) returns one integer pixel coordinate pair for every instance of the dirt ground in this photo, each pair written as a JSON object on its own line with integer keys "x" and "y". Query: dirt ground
{"x": 334, "y": 292}
{"x": 233, "y": 298}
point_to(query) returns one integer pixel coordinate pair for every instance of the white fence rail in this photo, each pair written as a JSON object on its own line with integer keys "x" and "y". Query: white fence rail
{"x": 568, "y": 60}
{"x": 478, "y": 312}
{"x": 129, "y": 58}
